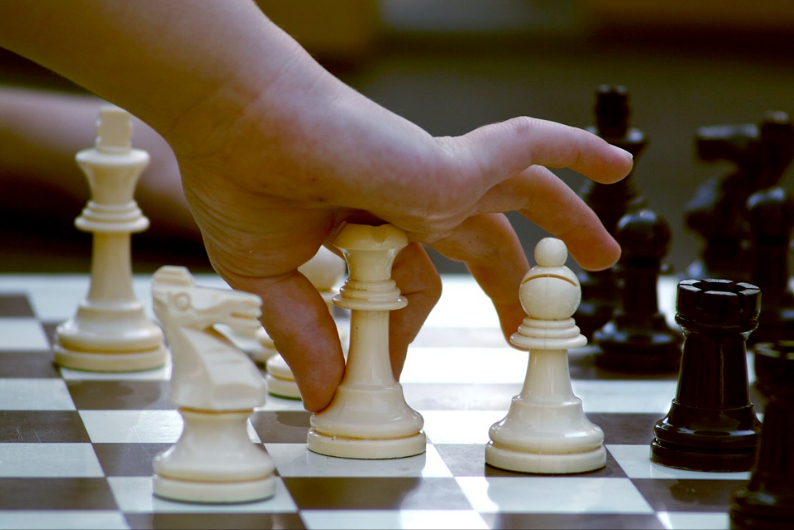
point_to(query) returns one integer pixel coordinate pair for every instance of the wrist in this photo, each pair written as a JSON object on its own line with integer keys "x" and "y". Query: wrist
{"x": 264, "y": 87}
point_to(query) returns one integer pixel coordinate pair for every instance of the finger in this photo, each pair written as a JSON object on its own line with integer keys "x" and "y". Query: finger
{"x": 297, "y": 319}
{"x": 419, "y": 282}
{"x": 540, "y": 196}
{"x": 506, "y": 148}
{"x": 492, "y": 252}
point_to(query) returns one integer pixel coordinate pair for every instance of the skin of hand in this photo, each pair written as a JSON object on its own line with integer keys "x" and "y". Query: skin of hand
{"x": 276, "y": 155}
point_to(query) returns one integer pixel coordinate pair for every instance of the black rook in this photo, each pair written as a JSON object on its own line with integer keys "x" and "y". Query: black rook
{"x": 712, "y": 425}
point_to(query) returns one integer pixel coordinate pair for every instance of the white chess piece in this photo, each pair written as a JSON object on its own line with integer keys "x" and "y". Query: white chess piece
{"x": 215, "y": 387}
{"x": 368, "y": 417}
{"x": 255, "y": 342}
{"x": 110, "y": 331}
{"x": 546, "y": 430}
{"x": 324, "y": 271}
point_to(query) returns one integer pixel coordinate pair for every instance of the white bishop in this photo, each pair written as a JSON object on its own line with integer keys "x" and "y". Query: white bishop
{"x": 545, "y": 430}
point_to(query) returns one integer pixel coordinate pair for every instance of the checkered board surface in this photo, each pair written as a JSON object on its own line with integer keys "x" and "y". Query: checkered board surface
{"x": 76, "y": 448}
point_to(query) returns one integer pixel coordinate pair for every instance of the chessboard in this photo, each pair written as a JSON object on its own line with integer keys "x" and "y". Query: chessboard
{"x": 76, "y": 448}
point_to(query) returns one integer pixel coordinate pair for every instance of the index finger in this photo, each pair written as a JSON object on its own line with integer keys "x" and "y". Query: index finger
{"x": 493, "y": 254}
{"x": 503, "y": 149}
{"x": 540, "y": 196}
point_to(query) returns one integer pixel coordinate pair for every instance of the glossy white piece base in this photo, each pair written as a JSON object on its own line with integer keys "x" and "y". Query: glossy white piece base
{"x": 214, "y": 461}
{"x": 546, "y": 429}
{"x": 110, "y": 332}
{"x": 110, "y": 362}
{"x": 366, "y": 449}
{"x": 214, "y": 492}
{"x": 544, "y": 463}
{"x": 280, "y": 381}
{"x": 367, "y": 423}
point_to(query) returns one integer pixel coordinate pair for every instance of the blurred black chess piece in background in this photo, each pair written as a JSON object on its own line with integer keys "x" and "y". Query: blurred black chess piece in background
{"x": 717, "y": 212}
{"x": 637, "y": 338}
{"x": 770, "y": 215}
{"x": 766, "y": 501}
{"x": 609, "y": 202}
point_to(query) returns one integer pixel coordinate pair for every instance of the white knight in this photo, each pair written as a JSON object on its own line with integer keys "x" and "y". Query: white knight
{"x": 216, "y": 387}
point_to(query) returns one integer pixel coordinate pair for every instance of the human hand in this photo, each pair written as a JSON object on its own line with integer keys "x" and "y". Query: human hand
{"x": 276, "y": 155}
{"x": 287, "y": 175}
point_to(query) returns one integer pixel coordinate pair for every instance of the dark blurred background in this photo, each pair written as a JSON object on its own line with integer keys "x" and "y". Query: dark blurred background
{"x": 453, "y": 65}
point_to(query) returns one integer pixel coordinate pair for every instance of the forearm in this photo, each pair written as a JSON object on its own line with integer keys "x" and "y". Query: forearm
{"x": 40, "y": 133}
{"x": 157, "y": 59}
{"x": 39, "y": 136}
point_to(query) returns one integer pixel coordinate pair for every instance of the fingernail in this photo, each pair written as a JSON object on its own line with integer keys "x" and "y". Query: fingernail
{"x": 623, "y": 152}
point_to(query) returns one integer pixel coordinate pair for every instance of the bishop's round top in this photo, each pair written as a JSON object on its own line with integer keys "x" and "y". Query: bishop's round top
{"x": 551, "y": 252}
{"x": 550, "y": 290}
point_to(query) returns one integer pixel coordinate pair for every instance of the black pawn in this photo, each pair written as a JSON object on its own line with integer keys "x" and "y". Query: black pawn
{"x": 609, "y": 202}
{"x": 712, "y": 425}
{"x": 761, "y": 154}
{"x": 767, "y": 500}
{"x": 771, "y": 215}
{"x": 637, "y": 338}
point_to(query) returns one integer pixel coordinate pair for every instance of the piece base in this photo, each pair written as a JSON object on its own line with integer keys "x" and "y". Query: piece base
{"x": 366, "y": 449}
{"x": 282, "y": 388}
{"x": 705, "y": 460}
{"x": 263, "y": 356}
{"x": 545, "y": 463}
{"x": 214, "y": 492}
{"x": 110, "y": 362}
{"x": 762, "y": 508}
{"x": 749, "y": 521}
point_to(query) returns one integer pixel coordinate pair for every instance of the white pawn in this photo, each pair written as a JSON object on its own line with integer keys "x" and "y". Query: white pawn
{"x": 546, "y": 430}
{"x": 368, "y": 417}
{"x": 324, "y": 271}
{"x": 110, "y": 331}
{"x": 215, "y": 387}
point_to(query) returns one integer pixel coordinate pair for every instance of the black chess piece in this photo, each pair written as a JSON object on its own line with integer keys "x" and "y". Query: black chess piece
{"x": 768, "y": 359}
{"x": 609, "y": 202}
{"x": 637, "y": 338}
{"x": 766, "y": 501}
{"x": 771, "y": 217}
{"x": 761, "y": 154}
{"x": 712, "y": 425}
